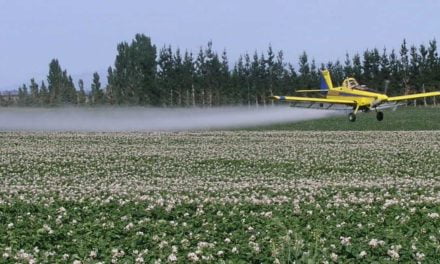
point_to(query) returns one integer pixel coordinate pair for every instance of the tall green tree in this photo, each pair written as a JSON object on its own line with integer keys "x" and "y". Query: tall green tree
{"x": 44, "y": 95}
{"x": 348, "y": 68}
{"x": 357, "y": 67}
{"x": 414, "y": 67}
{"x": 135, "y": 72}
{"x": 96, "y": 94}
{"x": 81, "y": 93}
{"x": 34, "y": 95}
{"x": 433, "y": 62}
{"x": 165, "y": 76}
{"x": 187, "y": 81}
{"x": 404, "y": 66}
{"x": 23, "y": 96}
{"x": 226, "y": 90}
{"x": 55, "y": 82}
{"x": 304, "y": 71}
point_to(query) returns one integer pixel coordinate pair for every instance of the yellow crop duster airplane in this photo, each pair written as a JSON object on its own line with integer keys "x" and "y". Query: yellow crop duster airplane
{"x": 352, "y": 95}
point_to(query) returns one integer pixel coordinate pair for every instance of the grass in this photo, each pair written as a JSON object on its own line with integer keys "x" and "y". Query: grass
{"x": 403, "y": 119}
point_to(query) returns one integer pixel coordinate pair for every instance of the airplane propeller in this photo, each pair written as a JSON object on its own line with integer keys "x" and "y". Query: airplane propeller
{"x": 378, "y": 101}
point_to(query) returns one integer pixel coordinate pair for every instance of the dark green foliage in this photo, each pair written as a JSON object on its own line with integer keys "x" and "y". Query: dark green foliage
{"x": 132, "y": 80}
{"x": 170, "y": 78}
{"x": 23, "y": 96}
{"x": 61, "y": 87}
{"x": 44, "y": 94}
{"x": 54, "y": 80}
{"x": 96, "y": 95}
{"x": 81, "y": 93}
{"x": 34, "y": 96}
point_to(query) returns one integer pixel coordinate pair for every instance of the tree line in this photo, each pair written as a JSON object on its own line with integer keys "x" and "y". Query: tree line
{"x": 144, "y": 75}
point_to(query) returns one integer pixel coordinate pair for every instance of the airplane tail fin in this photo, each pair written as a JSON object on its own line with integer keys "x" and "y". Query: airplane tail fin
{"x": 326, "y": 81}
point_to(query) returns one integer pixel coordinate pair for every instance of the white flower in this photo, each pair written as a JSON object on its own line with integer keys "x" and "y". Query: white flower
{"x": 374, "y": 243}
{"x": 76, "y": 262}
{"x": 93, "y": 254}
{"x": 420, "y": 256}
{"x": 255, "y": 246}
{"x": 234, "y": 250}
{"x": 333, "y": 256}
{"x": 193, "y": 257}
{"x": 139, "y": 259}
{"x": 433, "y": 215}
{"x": 172, "y": 258}
{"x": 47, "y": 229}
{"x": 174, "y": 249}
{"x": 345, "y": 241}
{"x": 227, "y": 240}
{"x": 10, "y": 225}
{"x": 163, "y": 244}
{"x": 362, "y": 254}
{"x": 202, "y": 245}
{"x": 393, "y": 254}
{"x": 129, "y": 226}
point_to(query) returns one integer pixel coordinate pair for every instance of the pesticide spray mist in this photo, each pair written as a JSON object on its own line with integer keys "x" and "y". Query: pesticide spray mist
{"x": 131, "y": 119}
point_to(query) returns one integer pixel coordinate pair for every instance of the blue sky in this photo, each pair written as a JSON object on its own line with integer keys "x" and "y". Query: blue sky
{"x": 83, "y": 34}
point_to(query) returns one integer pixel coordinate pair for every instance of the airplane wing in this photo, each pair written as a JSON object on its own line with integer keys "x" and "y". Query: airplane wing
{"x": 392, "y": 105}
{"x": 313, "y": 100}
{"x": 412, "y": 96}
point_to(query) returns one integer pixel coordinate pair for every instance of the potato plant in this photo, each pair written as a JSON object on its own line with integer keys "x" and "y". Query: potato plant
{"x": 220, "y": 197}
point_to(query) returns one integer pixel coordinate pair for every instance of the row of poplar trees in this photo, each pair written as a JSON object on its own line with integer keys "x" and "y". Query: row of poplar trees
{"x": 143, "y": 75}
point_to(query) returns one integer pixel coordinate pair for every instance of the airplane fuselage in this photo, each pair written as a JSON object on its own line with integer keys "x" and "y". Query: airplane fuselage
{"x": 362, "y": 98}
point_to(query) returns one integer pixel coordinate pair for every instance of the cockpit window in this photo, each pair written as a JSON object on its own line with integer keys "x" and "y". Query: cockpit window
{"x": 352, "y": 83}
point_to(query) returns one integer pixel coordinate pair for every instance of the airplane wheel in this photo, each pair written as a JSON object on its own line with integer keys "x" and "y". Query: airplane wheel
{"x": 351, "y": 117}
{"x": 379, "y": 116}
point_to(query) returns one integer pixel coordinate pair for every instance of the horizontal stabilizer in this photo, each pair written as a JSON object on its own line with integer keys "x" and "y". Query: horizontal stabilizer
{"x": 310, "y": 91}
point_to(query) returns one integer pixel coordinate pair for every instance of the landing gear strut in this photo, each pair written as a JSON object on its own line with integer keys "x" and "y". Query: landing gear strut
{"x": 379, "y": 116}
{"x": 352, "y": 116}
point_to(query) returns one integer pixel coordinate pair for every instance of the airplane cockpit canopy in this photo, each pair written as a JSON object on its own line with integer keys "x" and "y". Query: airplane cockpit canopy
{"x": 350, "y": 83}
{"x": 353, "y": 84}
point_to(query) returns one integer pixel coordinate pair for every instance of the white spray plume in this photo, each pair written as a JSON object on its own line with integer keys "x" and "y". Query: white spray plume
{"x": 109, "y": 119}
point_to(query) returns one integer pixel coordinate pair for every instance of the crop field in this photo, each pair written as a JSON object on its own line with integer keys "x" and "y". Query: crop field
{"x": 231, "y": 197}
